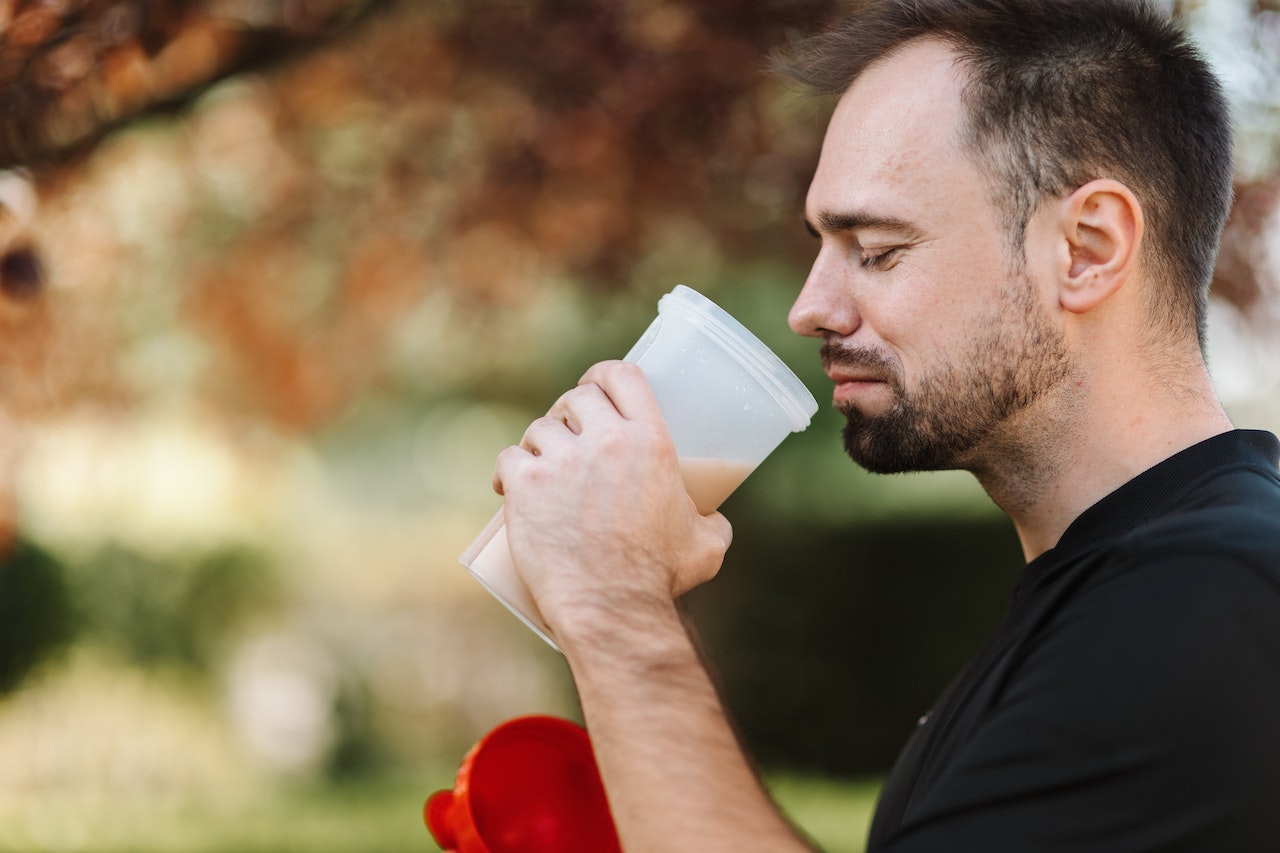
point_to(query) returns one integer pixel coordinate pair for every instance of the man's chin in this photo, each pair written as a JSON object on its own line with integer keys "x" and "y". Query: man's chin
{"x": 882, "y": 448}
{"x": 870, "y": 449}
{"x": 878, "y": 463}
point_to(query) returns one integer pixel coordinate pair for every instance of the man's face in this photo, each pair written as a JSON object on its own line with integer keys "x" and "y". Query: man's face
{"x": 937, "y": 337}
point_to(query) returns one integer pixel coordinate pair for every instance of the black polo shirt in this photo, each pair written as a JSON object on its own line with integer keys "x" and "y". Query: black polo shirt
{"x": 1131, "y": 698}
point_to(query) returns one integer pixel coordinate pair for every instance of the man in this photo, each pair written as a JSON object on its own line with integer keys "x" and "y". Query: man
{"x": 1018, "y": 204}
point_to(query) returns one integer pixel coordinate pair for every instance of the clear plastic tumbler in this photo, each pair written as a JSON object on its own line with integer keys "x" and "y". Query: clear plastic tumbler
{"x": 727, "y": 399}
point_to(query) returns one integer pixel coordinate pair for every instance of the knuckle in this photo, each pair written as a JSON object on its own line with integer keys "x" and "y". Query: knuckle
{"x": 562, "y": 402}
{"x": 726, "y": 532}
{"x": 626, "y": 368}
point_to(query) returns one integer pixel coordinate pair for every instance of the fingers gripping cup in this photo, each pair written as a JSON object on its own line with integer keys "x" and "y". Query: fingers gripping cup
{"x": 529, "y": 786}
{"x": 727, "y": 399}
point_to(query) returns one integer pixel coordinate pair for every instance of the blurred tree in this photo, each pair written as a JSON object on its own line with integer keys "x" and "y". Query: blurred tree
{"x": 178, "y": 612}
{"x": 397, "y": 149}
{"x": 72, "y": 69}
{"x": 481, "y": 148}
{"x": 36, "y": 611}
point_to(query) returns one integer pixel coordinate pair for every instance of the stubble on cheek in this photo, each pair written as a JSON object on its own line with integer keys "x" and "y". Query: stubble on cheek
{"x": 1011, "y": 361}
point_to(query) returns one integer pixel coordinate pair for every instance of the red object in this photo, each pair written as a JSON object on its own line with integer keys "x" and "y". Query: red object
{"x": 529, "y": 786}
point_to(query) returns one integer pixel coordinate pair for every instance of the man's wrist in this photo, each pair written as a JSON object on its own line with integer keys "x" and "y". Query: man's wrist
{"x": 623, "y": 630}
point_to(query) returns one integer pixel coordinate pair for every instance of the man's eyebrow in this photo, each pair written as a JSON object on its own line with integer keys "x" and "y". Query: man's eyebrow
{"x": 833, "y": 222}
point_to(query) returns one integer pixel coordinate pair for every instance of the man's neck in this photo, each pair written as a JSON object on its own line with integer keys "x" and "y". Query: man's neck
{"x": 1087, "y": 447}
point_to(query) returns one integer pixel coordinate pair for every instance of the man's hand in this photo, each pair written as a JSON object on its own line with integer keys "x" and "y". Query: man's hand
{"x": 600, "y": 524}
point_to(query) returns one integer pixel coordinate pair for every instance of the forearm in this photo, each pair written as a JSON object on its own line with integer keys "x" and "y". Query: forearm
{"x": 674, "y": 771}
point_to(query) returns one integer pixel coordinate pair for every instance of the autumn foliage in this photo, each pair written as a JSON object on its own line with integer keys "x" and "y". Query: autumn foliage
{"x": 360, "y": 157}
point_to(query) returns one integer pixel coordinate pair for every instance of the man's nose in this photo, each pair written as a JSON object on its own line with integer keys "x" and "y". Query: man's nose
{"x": 825, "y": 305}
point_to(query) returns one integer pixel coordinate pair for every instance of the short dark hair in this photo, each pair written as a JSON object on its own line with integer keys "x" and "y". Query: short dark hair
{"x": 1061, "y": 92}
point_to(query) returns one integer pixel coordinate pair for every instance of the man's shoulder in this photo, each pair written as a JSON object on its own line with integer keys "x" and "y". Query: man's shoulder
{"x": 1183, "y": 572}
{"x": 1170, "y": 655}
{"x": 1180, "y": 610}
{"x": 1232, "y": 517}
{"x": 1200, "y": 548}
{"x": 1180, "y": 617}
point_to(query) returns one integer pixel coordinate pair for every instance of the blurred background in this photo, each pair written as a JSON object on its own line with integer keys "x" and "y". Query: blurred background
{"x": 279, "y": 278}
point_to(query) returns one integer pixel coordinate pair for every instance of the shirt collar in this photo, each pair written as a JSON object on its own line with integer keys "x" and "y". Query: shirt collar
{"x": 1153, "y": 492}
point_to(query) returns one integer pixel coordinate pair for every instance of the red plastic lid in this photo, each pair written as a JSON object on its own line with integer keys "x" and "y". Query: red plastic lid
{"x": 529, "y": 786}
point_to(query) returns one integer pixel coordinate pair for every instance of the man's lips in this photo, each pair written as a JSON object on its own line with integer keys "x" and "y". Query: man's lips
{"x": 841, "y": 378}
{"x": 854, "y": 386}
{"x": 855, "y": 372}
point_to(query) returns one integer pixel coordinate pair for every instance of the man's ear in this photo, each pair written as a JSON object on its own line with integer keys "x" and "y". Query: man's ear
{"x": 1102, "y": 225}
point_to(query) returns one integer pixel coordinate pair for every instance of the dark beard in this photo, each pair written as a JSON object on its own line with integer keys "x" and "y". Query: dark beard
{"x": 1017, "y": 359}
{"x": 897, "y": 441}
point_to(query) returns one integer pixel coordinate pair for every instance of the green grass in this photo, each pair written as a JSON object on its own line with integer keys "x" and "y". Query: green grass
{"x": 371, "y": 817}
{"x": 835, "y": 814}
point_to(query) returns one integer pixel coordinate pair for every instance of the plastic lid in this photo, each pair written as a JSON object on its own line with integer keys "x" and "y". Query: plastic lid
{"x": 760, "y": 361}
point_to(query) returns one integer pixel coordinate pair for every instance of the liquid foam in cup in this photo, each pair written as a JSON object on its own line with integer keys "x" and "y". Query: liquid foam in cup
{"x": 727, "y": 399}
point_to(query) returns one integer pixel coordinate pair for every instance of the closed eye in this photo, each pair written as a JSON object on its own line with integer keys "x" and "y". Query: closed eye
{"x": 879, "y": 260}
